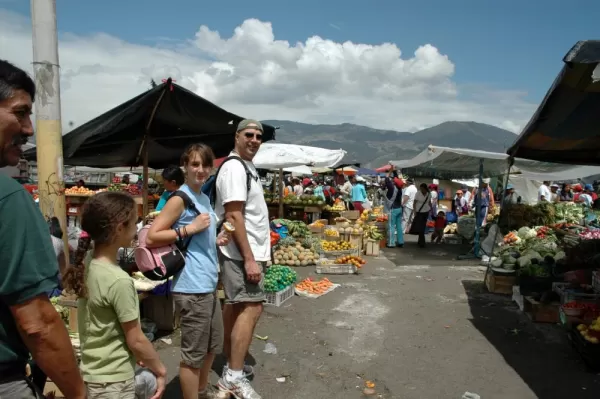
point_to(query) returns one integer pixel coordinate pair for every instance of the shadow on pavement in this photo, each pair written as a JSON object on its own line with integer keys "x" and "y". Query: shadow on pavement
{"x": 539, "y": 353}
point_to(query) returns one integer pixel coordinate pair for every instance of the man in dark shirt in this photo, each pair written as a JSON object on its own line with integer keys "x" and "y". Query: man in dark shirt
{"x": 28, "y": 266}
{"x": 392, "y": 204}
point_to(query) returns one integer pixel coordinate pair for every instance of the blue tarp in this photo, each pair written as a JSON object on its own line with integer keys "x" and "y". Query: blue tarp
{"x": 365, "y": 172}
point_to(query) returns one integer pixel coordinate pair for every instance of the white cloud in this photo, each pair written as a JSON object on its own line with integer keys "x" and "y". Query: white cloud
{"x": 253, "y": 74}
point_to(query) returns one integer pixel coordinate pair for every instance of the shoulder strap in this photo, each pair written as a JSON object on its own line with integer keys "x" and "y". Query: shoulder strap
{"x": 213, "y": 196}
{"x": 187, "y": 201}
{"x": 424, "y": 202}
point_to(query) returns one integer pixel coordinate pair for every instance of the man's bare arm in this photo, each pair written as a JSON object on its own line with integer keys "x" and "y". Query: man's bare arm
{"x": 234, "y": 214}
{"x": 46, "y": 336}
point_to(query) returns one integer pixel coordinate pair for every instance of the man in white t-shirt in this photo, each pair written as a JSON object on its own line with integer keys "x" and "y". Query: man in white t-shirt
{"x": 243, "y": 261}
{"x": 408, "y": 201}
{"x": 544, "y": 194}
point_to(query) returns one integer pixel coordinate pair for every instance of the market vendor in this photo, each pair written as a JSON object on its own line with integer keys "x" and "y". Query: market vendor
{"x": 173, "y": 178}
{"x": 358, "y": 194}
{"x": 487, "y": 202}
{"x": 586, "y": 197}
{"x": 565, "y": 194}
{"x": 460, "y": 205}
{"x": 554, "y": 192}
{"x": 510, "y": 196}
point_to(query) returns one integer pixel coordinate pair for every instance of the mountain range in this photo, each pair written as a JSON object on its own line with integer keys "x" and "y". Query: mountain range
{"x": 373, "y": 148}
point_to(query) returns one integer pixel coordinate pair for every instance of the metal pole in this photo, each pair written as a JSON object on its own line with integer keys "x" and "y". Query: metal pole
{"x": 47, "y": 113}
{"x": 477, "y": 240}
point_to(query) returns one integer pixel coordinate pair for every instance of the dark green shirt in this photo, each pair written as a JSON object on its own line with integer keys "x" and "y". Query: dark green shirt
{"x": 28, "y": 265}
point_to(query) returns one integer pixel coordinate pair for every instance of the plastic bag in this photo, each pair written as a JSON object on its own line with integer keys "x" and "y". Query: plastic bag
{"x": 145, "y": 384}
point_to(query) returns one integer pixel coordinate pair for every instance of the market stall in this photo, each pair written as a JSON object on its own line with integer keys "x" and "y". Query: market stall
{"x": 556, "y": 266}
{"x": 279, "y": 157}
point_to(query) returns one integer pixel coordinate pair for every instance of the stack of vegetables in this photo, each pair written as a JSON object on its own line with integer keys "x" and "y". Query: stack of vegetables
{"x": 533, "y": 252}
{"x": 295, "y": 228}
{"x": 279, "y": 277}
{"x": 311, "y": 286}
{"x": 290, "y": 252}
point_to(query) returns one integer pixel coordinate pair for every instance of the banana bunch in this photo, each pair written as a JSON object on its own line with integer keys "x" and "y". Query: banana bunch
{"x": 372, "y": 233}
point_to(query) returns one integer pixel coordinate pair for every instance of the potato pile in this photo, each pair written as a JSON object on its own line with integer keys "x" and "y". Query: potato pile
{"x": 295, "y": 255}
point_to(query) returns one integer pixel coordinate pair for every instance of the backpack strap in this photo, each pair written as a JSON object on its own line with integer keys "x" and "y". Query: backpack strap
{"x": 188, "y": 204}
{"x": 249, "y": 177}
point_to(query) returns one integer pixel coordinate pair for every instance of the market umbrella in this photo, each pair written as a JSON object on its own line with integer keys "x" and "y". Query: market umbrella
{"x": 566, "y": 126}
{"x": 152, "y": 130}
{"x": 167, "y": 118}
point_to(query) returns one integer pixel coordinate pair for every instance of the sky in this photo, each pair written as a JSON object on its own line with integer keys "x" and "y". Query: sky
{"x": 401, "y": 65}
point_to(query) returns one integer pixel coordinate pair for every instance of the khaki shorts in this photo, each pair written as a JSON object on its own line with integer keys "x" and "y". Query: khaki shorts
{"x": 201, "y": 327}
{"x": 237, "y": 289}
{"x": 111, "y": 390}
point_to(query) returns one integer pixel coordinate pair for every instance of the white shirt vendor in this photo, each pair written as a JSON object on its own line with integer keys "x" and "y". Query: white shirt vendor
{"x": 231, "y": 186}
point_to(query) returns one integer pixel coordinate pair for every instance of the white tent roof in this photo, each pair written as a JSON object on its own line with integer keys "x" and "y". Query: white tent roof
{"x": 462, "y": 163}
{"x": 277, "y": 155}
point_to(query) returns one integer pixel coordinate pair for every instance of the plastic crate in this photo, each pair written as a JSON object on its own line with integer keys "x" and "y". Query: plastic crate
{"x": 569, "y": 294}
{"x": 279, "y": 297}
{"x": 336, "y": 269}
{"x": 335, "y": 254}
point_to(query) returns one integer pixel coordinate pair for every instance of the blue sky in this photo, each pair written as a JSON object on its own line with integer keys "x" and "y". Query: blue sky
{"x": 509, "y": 44}
{"x": 504, "y": 56}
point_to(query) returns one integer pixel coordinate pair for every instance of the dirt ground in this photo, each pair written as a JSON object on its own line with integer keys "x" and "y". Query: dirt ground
{"x": 419, "y": 324}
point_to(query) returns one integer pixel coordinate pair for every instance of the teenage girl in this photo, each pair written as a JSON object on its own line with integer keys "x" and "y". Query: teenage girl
{"x": 109, "y": 327}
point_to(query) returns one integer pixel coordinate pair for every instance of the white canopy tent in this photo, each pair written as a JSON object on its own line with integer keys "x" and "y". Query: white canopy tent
{"x": 462, "y": 163}
{"x": 277, "y": 156}
{"x": 294, "y": 158}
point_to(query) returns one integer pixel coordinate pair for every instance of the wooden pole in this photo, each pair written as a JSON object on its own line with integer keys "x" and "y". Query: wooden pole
{"x": 281, "y": 188}
{"x": 46, "y": 69}
{"x": 144, "y": 150}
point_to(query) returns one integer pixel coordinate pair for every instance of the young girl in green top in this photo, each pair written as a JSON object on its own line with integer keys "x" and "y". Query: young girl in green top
{"x": 108, "y": 309}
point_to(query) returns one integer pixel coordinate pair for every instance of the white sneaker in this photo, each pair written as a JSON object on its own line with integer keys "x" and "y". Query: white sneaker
{"x": 247, "y": 371}
{"x": 240, "y": 389}
{"x": 212, "y": 393}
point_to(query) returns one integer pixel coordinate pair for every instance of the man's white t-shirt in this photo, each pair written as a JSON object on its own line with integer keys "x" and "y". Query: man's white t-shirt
{"x": 410, "y": 192}
{"x": 231, "y": 186}
{"x": 544, "y": 191}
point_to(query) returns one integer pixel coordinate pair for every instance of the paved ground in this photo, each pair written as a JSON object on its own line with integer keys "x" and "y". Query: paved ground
{"x": 420, "y": 325}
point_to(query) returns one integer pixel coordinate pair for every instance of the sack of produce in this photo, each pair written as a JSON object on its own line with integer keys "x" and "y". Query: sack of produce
{"x": 466, "y": 227}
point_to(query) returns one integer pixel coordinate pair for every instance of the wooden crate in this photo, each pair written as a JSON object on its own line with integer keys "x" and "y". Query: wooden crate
{"x": 351, "y": 215}
{"x": 161, "y": 310}
{"x": 500, "y": 284}
{"x": 357, "y": 241}
{"x": 372, "y": 248}
{"x": 541, "y": 313}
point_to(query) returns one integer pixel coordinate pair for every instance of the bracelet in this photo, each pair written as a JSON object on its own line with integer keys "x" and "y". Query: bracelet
{"x": 178, "y": 233}
{"x": 185, "y": 232}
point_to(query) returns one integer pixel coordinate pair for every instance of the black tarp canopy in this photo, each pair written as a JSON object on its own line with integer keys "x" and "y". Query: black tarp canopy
{"x": 181, "y": 117}
{"x": 566, "y": 126}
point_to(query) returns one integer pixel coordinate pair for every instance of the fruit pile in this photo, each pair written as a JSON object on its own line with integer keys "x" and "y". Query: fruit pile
{"x": 79, "y": 191}
{"x": 336, "y": 246}
{"x": 590, "y": 333}
{"x": 310, "y": 286}
{"x": 133, "y": 189}
{"x": 292, "y": 253}
{"x": 116, "y": 187}
{"x": 331, "y": 233}
{"x": 350, "y": 260}
{"x": 373, "y": 233}
{"x": 279, "y": 277}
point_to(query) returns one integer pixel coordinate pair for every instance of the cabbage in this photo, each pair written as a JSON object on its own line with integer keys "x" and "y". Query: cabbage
{"x": 497, "y": 263}
{"x": 524, "y": 261}
{"x": 531, "y": 254}
{"x": 508, "y": 259}
{"x": 525, "y": 233}
{"x": 559, "y": 255}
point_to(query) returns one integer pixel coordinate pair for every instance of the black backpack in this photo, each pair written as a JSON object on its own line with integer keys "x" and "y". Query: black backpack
{"x": 210, "y": 186}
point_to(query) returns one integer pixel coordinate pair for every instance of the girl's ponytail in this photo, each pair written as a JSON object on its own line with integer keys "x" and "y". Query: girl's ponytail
{"x": 74, "y": 279}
